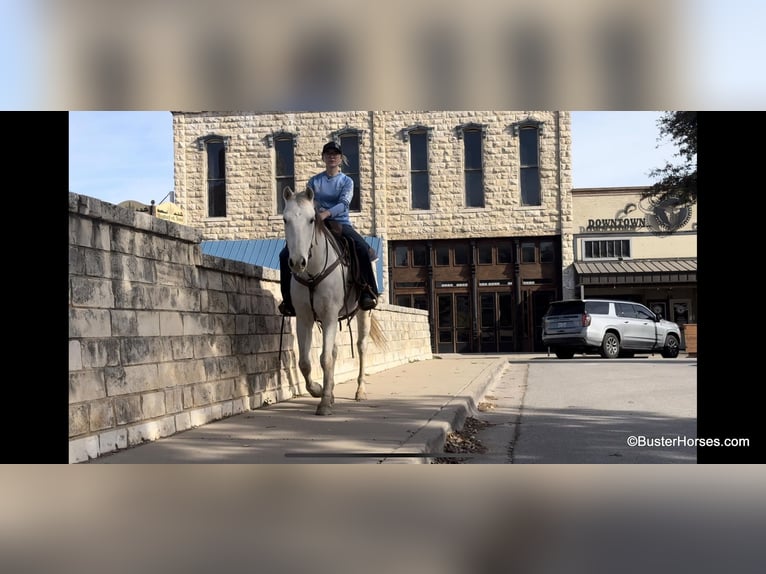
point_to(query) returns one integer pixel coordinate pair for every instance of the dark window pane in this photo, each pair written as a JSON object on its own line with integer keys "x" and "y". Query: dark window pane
{"x": 420, "y": 302}
{"x": 485, "y": 254}
{"x": 597, "y": 307}
{"x": 419, "y": 170}
{"x": 216, "y": 160}
{"x": 442, "y": 255}
{"x": 474, "y": 189}
{"x": 445, "y": 311}
{"x": 285, "y": 158}
{"x": 420, "y": 190}
{"x": 350, "y": 145}
{"x": 487, "y": 310}
{"x": 419, "y": 256}
{"x": 546, "y": 251}
{"x": 504, "y": 253}
{"x": 400, "y": 256}
{"x": 527, "y": 252}
{"x": 461, "y": 255}
{"x": 625, "y": 310}
{"x": 530, "y": 186}
{"x": 216, "y": 198}
{"x": 403, "y": 300}
{"x": 216, "y": 183}
{"x": 506, "y": 311}
{"x": 528, "y": 144}
{"x": 418, "y": 151}
{"x": 282, "y": 183}
{"x": 356, "y": 202}
{"x": 285, "y": 168}
{"x": 472, "y": 148}
{"x": 625, "y": 248}
{"x": 642, "y": 313}
{"x": 462, "y": 311}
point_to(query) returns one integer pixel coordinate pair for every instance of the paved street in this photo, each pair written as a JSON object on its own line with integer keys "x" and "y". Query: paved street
{"x": 544, "y": 410}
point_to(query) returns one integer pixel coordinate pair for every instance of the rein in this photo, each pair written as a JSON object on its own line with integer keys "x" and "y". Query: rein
{"x": 312, "y": 282}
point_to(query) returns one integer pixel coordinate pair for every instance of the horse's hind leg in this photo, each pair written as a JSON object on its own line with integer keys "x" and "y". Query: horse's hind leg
{"x": 304, "y": 332}
{"x": 363, "y": 335}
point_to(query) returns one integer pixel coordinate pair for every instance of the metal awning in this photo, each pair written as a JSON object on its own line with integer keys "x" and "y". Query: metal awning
{"x": 636, "y": 271}
{"x": 265, "y": 252}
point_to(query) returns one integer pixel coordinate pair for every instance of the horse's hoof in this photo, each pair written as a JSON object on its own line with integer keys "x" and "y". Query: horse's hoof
{"x": 324, "y": 410}
{"x": 314, "y": 389}
{"x": 361, "y": 396}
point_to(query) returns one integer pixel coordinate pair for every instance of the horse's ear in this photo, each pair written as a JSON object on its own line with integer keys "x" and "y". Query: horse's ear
{"x": 309, "y": 193}
{"x": 287, "y": 192}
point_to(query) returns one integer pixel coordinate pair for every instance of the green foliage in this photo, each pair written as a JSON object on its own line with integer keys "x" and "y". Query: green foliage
{"x": 679, "y": 180}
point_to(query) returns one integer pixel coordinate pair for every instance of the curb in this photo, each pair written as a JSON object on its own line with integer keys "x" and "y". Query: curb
{"x": 431, "y": 438}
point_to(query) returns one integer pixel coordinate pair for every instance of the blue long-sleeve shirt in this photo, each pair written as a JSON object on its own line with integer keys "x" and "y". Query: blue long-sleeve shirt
{"x": 333, "y": 194}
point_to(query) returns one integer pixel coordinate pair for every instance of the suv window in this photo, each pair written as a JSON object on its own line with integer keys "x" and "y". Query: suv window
{"x": 565, "y": 308}
{"x": 625, "y": 310}
{"x": 642, "y": 312}
{"x": 597, "y": 307}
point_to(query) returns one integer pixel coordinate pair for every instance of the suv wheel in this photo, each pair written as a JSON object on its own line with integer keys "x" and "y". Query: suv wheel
{"x": 564, "y": 353}
{"x": 610, "y": 346}
{"x": 672, "y": 345}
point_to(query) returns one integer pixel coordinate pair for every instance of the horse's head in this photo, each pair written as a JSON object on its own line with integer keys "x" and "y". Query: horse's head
{"x": 299, "y": 216}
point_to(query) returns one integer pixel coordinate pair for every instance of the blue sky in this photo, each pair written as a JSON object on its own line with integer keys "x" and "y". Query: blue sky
{"x": 116, "y": 156}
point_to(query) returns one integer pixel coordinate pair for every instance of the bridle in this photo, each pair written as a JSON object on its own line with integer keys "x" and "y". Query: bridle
{"x": 315, "y": 280}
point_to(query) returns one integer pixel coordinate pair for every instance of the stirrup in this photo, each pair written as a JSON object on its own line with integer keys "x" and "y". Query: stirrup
{"x": 367, "y": 301}
{"x": 286, "y": 309}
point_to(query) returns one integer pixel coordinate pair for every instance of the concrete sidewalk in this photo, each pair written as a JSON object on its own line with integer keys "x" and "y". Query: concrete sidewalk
{"x": 408, "y": 413}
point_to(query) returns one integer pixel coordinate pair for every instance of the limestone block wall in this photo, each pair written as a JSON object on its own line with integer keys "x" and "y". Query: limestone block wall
{"x": 163, "y": 338}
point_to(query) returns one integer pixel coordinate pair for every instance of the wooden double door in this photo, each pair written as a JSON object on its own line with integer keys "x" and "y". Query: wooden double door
{"x": 481, "y": 326}
{"x": 496, "y": 325}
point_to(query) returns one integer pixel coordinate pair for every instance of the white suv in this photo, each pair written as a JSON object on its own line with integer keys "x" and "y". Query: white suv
{"x": 611, "y": 328}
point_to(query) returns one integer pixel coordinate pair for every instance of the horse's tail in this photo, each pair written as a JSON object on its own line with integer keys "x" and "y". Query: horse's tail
{"x": 376, "y": 333}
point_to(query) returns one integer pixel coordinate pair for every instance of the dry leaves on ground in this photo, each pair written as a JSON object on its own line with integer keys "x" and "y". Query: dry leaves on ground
{"x": 463, "y": 441}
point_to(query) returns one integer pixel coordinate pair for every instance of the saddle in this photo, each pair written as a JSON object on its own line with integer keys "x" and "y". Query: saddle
{"x": 348, "y": 253}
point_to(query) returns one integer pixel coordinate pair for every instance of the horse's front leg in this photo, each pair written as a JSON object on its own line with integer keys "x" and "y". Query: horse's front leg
{"x": 304, "y": 333}
{"x": 327, "y": 360}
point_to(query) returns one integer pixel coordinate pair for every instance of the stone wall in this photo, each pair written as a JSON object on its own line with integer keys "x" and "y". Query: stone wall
{"x": 163, "y": 338}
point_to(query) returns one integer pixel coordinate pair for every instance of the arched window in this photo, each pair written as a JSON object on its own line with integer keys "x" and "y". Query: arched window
{"x": 284, "y": 156}
{"x": 528, "y": 132}
{"x": 215, "y": 146}
{"x": 350, "y": 140}
{"x": 419, "y": 136}
{"x": 473, "y": 163}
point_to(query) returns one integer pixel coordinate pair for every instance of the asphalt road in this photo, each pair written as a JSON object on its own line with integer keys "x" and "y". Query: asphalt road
{"x": 586, "y": 411}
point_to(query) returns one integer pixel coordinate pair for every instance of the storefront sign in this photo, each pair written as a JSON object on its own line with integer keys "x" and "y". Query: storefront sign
{"x": 665, "y": 216}
{"x": 621, "y": 224}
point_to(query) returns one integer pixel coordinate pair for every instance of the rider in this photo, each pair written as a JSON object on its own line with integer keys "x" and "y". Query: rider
{"x": 333, "y": 191}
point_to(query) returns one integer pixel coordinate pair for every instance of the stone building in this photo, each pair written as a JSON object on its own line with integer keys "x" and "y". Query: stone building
{"x": 473, "y": 208}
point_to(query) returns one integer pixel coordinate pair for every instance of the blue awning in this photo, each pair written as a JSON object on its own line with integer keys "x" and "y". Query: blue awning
{"x": 265, "y": 252}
